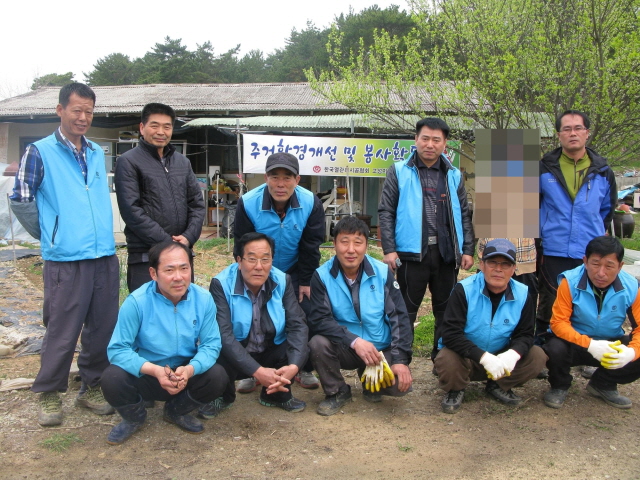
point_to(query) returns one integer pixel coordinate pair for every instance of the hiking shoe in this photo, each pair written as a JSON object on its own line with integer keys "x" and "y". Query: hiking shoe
{"x": 247, "y": 385}
{"x": 508, "y": 397}
{"x": 555, "y": 397}
{"x": 292, "y": 405}
{"x": 93, "y": 399}
{"x": 611, "y": 397}
{"x": 212, "y": 409}
{"x": 370, "y": 396}
{"x": 307, "y": 380}
{"x": 333, "y": 403}
{"x": 452, "y": 400}
{"x": 587, "y": 371}
{"x": 50, "y": 413}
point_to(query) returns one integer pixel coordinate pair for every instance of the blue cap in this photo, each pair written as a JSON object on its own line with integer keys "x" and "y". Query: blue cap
{"x": 499, "y": 246}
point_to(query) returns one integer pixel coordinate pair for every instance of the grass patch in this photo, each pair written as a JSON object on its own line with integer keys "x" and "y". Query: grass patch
{"x": 60, "y": 442}
{"x": 210, "y": 243}
{"x": 423, "y": 336}
{"x": 404, "y": 448}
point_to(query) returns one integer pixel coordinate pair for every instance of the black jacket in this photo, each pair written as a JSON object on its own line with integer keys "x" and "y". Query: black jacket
{"x": 295, "y": 325}
{"x": 157, "y": 202}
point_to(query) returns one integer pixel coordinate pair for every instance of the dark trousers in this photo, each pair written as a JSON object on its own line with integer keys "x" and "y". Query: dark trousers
{"x": 138, "y": 274}
{"x": 329, "y": 357}
{"x": 548, "y": 270}
{"x": 563, "y": 355}
{"x": 80, "y": 296}
{"x": 455, "y": 372}
{"x": 306, "y": 308}
{"x": 531, "y": 281}
{"x": 440, "y": 277}
{"x": 120, "y": 388}
{"x": 273, "y": 357}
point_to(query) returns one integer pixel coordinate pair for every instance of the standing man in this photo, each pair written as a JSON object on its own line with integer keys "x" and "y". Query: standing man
{"x": 425, "y": 225}
{"x": 577, "y": 197}
{"x": 61, "y": 196}
{"x": 158, "y": 194}
{"x": 294, "y": 217}
{"x": 164, "y": 347}
{"x": 593, "y": 302}
{"x": 357, "y": 312}
{"x": 264, "y": 331}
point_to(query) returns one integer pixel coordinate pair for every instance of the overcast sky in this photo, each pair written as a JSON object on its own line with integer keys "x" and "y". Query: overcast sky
{"x": 40, "y": 37}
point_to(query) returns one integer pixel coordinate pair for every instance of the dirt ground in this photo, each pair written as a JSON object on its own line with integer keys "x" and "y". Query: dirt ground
{"x": 406, "y": 437}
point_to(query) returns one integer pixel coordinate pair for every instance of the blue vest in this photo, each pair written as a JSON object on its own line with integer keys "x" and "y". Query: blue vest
{"x": 409, "y": 232}
{"x": 75, "y": 216}
{"x": 491, "y": 334}
{"x": 373, "y": 324}
{"x": 286, "y": 233}
{"x": 607, "y": 324}
{"x": 242, "y": 308}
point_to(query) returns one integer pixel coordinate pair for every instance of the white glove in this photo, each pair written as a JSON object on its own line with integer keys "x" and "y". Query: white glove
{"x": 597, "y": 348}
{"x": 493, "y": 365}
{"x": 509, "y": 358}
{"x": 619, "y": 359}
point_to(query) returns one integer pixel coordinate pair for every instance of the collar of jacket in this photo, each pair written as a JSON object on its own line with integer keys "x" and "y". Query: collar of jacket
{"x": 184, "y": 297}
{"x": 508, "y": 293}
{"x": 445, "y": 163}
{"x": 335, "y": 268}
{"x": 584, "y": 282}
{"x": 59, "y": 139}
{"x": 153, "y": 150}
{"x": 267, "y": 203}
{"x": 552, "y": 160}
{"x": 269, "y": 286}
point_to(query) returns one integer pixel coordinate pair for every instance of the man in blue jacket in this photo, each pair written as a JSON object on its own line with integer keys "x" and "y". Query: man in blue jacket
{"x": 357, "y": 312}
{"x": 164, "y": 347}
{"x": 264, "y": 331}
{"x": 487, "y": 333}
{"x": 425, "y": 225}
{"x": 577, "y": 198}
{"x": 294, "y": 217}
{"x": 61, "y": 197}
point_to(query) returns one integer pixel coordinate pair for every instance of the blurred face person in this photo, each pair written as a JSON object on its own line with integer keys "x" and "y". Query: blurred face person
{"x": 281, "y": 184}
{"x": 76, "y": 117}
{"x": 350, "y": 251}
{"x": 602, "y": 271}
{"x": 573, "y": 135}
{"x": 255, "y": 264}
{"x": 173, "y": 274}
{"x": 497, "y": 272}
{"x": 157, "y": 131}
{"x": 429, "y": 145}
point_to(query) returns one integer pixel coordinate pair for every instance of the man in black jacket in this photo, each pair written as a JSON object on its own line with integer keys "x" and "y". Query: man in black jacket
{"x": 263, "y": 329}
{"x": 158, "y": 194}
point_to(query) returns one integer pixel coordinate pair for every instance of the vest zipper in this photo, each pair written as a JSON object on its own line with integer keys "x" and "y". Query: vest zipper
{"x": 55, "y": 230}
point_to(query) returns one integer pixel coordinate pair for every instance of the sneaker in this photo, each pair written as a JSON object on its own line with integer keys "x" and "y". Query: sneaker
{"x": 307, "y": 380}
{"x": 370, "y": 396}
{"x": 452, "y": 400}
{"x": 587, "y": 371}
{"x": 611, "y": 397}
{"x": 508, "y": 397}
{"x": 555, "y": 397}
{"x": 292, "y": 405}
{"x": 247, "y": 385}
{"x": 212, "y": 409}
{"x": 93, "y": 399}
{"x": 50, "y": 413}
{"x": 333, "y": 403}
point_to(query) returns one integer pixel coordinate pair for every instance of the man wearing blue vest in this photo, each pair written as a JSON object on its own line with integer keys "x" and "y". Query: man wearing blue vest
{"x": 487, "y": 332}
{"x": 294, "y": 217}
{"x": 593, "y": 302}
{"x": 61, "y": 197}
{"x": 357, "y": 312}
{"x": 425, "y": 225}
{"x": 264, "y": 331}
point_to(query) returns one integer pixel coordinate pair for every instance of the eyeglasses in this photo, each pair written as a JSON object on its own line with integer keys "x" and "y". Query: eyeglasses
{"x": 265, "y": 262}
{"x": 577, "y": 128}
{"x": 495, "y": 264}
{"x": 171, "y": 376}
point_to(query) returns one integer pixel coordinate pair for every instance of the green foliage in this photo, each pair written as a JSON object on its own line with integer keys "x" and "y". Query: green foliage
{"x": 52, "y": 80}
{"x": 423, "y": 336}
{"x": 60, "y": 442}
{"x": 211, "y": 243}
{"x": 404, "y": 448}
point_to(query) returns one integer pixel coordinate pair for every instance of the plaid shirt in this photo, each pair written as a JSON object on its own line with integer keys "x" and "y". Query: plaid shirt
{"x": 31, "y": 170}
{"x": 525, "y": 253}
